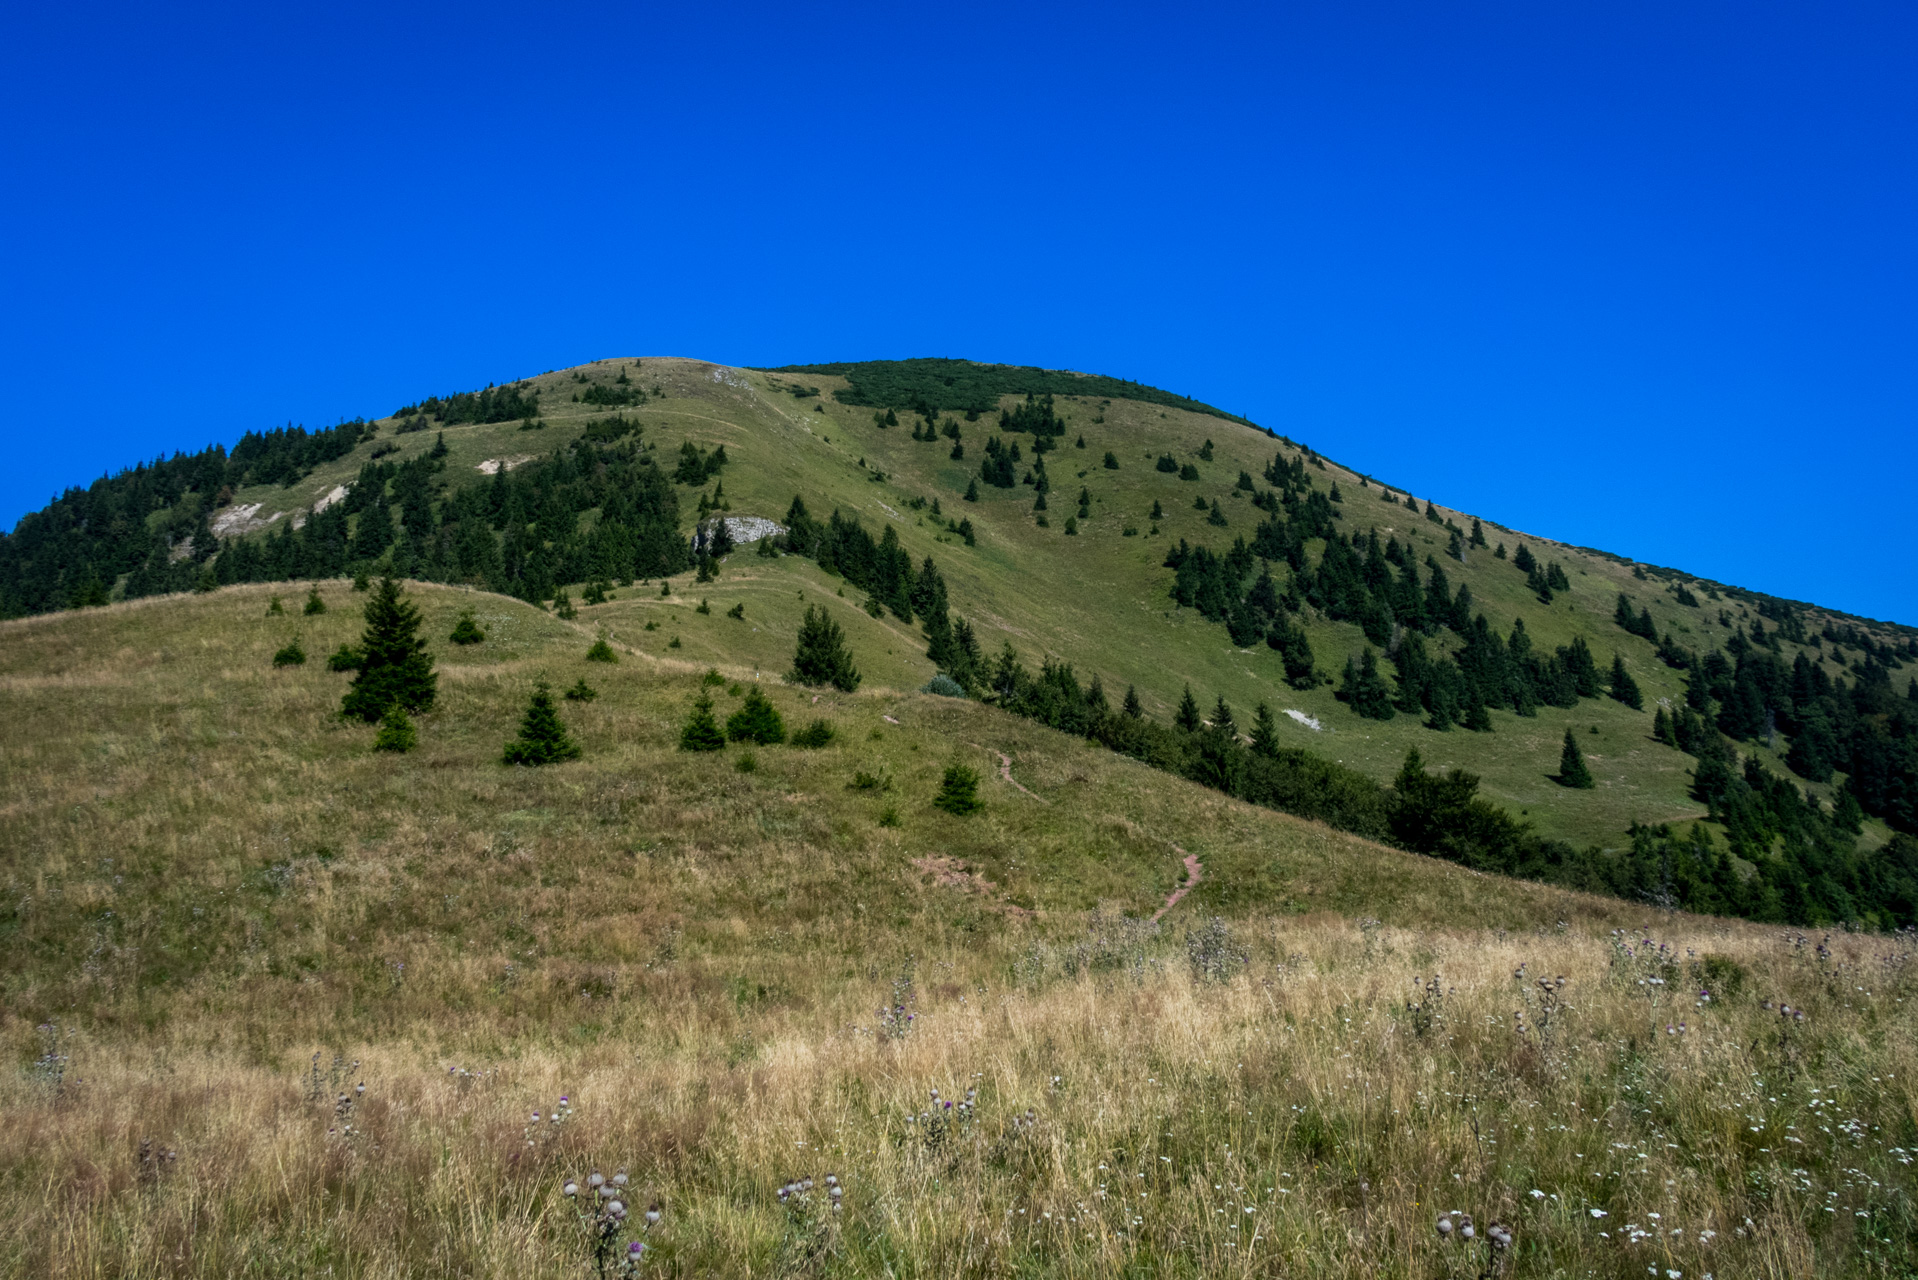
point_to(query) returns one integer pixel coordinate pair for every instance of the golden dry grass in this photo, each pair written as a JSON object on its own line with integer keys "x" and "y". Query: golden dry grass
{"x": 210, "y": 879}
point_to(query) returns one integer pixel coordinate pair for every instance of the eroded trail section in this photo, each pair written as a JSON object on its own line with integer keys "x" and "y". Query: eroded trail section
{"x": 1194, "y": 873}
{"x": 1005, "y": 771}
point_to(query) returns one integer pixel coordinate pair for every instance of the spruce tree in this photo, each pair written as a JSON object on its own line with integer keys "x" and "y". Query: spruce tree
{"x": 1112, "y": 461}
{"x": 467, "y": 631}
{"x": 756, "y": 720}
{"x": 313, "y": 602}
{"x": 1662, "y": 729}
{"x": 821, "y": 657}
{"x": 959, "y": 792}
{"x": 972, "y": 488}
{"x": 395, "y": 666}
{"x": 601, "y": 652}
{"x": 292, "y": 655}
{"x": 1132, "y": 707}
{"x": 581, "y": 692}
{"x": 1188, "y": 716}
{"x": 1265, "y": 732}
{"x": 1365, "y": 690}
{"x": 396, "y": 731}
{"x": 1222, "y": 718}
{"x": 542, "y": 738}
{"x": 1624, "y": 688}
{"x": 1571, "y": 766}
{"x": 701, "y": 731}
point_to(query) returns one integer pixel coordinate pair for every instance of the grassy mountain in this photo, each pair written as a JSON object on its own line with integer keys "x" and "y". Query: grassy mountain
{"x": 225, "y": 914}
{"x": 428, "y": 490}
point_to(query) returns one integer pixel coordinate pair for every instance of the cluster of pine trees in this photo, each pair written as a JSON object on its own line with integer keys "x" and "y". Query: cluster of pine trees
{"x": 1748, "y": 693}
{"x": 70, "y": 553}
{"x": 509, "y": 403}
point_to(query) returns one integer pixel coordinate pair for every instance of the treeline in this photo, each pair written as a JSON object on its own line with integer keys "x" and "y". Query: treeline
{"x": 70, "y": 553}
{"x": 928, "y": 386}
{"x": 509, "y": 403}
{"x": 1795, "y": 863}
{"x": 1748, "y": 693}
{"x": 521, "y": 533}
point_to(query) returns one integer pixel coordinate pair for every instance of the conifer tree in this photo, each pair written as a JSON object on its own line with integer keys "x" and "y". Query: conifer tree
{"x": 822, "y": 657}
{"x": 1265, "y": 732}
{"x": 396, "y": 731}
{"x": 542, "y": 738}
{"x": 701, "y": 731}
{"x": 1478, "y": 533}
{"x": 1571, "y": 766}
{"x": 972, "y": 489}
{"x": 466, "y": 631}
{"x": 965, "y": 531}
{"x": 1188, "y": 716}
{"x": 1112, "y": 461}
{"x": 581, "y": 691}
{"x": 1624, "y": 688}
{"x": 313, "y": 602}
{"x": 959, "y": 792}
{"x": 1662, "y": 729}
{"x": 1132, "y": 707}
{"x": 1222, "y": 720}
{"x": 601, "y": 652}
{"x": 756, "y": 720}
{"x": 1158, "y": 512}
{"x": 395, "y": 666}
{"x": 1365, "y": 690}
{"x": 292, "y": 655}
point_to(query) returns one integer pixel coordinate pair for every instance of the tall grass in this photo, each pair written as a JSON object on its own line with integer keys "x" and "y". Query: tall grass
{"x": 223, "y": 914}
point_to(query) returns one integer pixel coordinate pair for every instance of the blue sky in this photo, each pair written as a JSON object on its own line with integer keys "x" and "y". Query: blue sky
{"x": 1636, "y": 276}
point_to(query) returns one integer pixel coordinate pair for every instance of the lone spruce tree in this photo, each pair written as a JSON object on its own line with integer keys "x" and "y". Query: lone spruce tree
{"x": 821, "y": 657}
{"x": 1188, "y": 715}
{"x": 757, "y": 720}
{"x": 1624, "y": 688}
{"x": 1265, "y": 733}
{"x": 1571, "y": 766}
{"x": 959, "y": 792}
{"x": 396, "y": 667}
{"x": 701, "y": 731}
{"x": 542, "y": 738}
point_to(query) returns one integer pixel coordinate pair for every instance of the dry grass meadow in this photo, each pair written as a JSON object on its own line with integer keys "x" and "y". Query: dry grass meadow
{"x": 223, "y": 915}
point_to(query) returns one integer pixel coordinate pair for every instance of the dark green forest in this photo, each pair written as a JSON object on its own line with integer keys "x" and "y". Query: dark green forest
{"x": 933, "y": 385}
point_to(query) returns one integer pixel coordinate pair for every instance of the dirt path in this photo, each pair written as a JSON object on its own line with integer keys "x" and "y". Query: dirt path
{"x": 1005, "y": 771}
{"x": 1193, "y": 874}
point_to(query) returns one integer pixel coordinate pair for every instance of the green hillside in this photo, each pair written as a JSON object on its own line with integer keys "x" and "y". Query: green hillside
{"x": 584, "y": 477}
{"x": 277, "y": 1003}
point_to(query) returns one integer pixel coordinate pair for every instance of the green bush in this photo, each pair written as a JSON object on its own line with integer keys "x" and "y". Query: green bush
{"x": 601, "y": 652}
{"x": 581, "y": 692}
{"x": 396, "y": 731}
{"x": 345, "y": 658}
{"x": 819, "y": 733}
{"x": 959, "y": 792}
{"x": 757, "y": 720}
{"x": 466, "y": 631}
{"x": 290, "y": 656}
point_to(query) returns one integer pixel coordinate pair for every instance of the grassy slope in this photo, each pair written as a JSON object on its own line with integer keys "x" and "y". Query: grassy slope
{"x": 209, "y": 877}
{"x": 1100, "y": 599}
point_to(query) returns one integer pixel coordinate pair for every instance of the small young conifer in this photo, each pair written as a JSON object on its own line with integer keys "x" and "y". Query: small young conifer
{"x": 396, "y": 667}
{"x": 821, "y": 657}
{"x": 959, "y": 792}
{"x": 1365, "y": 690}
{"x": 345, "y": 658}
{"x": 601, "y": 652}
{"x": 563, "y": 605}
{"x": 314, "y": 605}
{"x": 1132, "y": 707}
{"x": 1571, "y": 766}
{"x": 292, "y": 655}
{"x": 1188, "y": 715}
{"x": 275, "y": 608}
{"x": 466, "y": 631}
{"x": 1112, "y": 461}
{"x": 1662, "y": 729}
{"x": 701, "y": 731}
{"x": 817, "y": 734}
{"x": 965, "y": 531}
{"x": 1265, "y": 732}
{"x": 581, "y": 692}
{"x": 396, "y": 732}
{"x": 756, "y": 720}
{"x": 1158, "y": 512}
{"x": 542, "y": 738}
{"x": 1624, "y": 688}
{"x": 1072, "y": 526}
{"x": 1217, "y": 517}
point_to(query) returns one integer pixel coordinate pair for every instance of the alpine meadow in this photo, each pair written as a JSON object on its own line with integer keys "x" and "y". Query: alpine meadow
{"x": 927, "y": 818}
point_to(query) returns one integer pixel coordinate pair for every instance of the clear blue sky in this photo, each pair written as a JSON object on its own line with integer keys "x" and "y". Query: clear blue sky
{"x": 1638, "y": 276}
